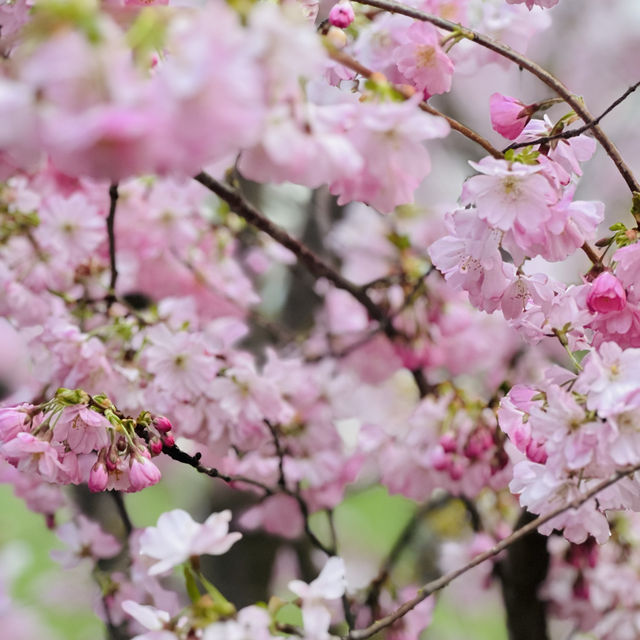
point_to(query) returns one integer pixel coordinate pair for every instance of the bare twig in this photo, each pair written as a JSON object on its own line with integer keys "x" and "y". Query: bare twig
{"x": 523, "y": 62}
{"x": 111, "y": 218}
{"x": 194, "y": 461}
{"x": 441, "y": 582}
{"x": 122, "y": 512}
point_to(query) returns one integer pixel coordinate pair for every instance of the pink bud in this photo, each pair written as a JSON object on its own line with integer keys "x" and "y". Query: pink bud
{"x": 162, "y": 424}
{"x": 341, "y": 15}
{"x": 156, "y": 446}
{"x": 508, "y": 115}
{"x": 536, "y": 452}
{"x": 143, "y": 473}
{"x": 98, "y": 478}
{"x": 456, "y": 470}
{"x": 607, "y": 294}
{"x": 448, "y": 442}
{"x": 168, "y": 440}
{"x": 440, "y": 460}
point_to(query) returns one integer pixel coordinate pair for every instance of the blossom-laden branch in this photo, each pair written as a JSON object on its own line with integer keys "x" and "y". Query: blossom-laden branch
{"x": 314, "y": 264}
{"x": 523, "y": 62}
{"x": 111, "y": 219}
{"x": 572, "y": 133}
{"x": 347, "y": 61}
{"x": 443, "y": 581}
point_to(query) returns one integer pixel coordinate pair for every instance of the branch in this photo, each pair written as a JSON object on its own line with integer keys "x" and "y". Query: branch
{"x": 315, "y": 265}
{"x": 443, "y": 581}
{"x": 474, "y": 136}
{"x": 122, "y": 512}
{"x": 525, "y": 63}
{"x": 111, "y": 218}
{"x": 194, "y": 461}
{"x": 565, "y": 135}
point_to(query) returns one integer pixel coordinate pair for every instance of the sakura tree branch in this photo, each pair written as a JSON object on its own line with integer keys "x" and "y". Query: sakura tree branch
{"x": 302, "y": 505}
{"x": 441, "y": 582}
{"x": 179, "y": 455}
{"x": 314, "y": 264}
{"x": 474, "y": 136}
{"x": 122, "y": 512}
{"x": 572, "y": 133}
{"x": 111, "y": 218}
{"x": 525, "y": 63}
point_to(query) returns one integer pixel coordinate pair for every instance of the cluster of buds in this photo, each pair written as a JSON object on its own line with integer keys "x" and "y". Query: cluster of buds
{"x": 76, "y": 438}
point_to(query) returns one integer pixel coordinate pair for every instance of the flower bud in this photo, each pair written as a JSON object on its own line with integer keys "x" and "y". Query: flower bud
{"x": 143, "y": 473}
{"x": 607, "y": 294}
{"x": 508, "y": 115}
{"x": 168, "y": 440}
{"x": 98, "y": 478}
{"x": 341, "y": 15}
{"x": 162, "y": 424}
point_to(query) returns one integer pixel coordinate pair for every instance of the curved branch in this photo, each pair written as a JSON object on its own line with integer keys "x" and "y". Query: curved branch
{"x": 525, "y": 63}
{"x": 441, "y": 582}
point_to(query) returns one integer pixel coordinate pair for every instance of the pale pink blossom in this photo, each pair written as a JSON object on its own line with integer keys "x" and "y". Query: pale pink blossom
{"x": 509, "y": 193}
{"x": 329, "y": 585}
{"x": 178, "y": 537}
{"x": 421, "y": 59}
{"x": 85, "y": 540}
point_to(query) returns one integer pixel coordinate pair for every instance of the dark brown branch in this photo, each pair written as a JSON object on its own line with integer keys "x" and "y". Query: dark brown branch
{"x": 194, "y": 461}
{"x": 441, "y": 582}
{"x": 523, "y": 62}
{"x": 111, "y": 219}
{"x": 122, "y": 512}
{"x": 572, "y": 133}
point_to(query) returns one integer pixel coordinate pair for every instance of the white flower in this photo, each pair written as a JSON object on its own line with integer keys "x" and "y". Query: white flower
{"x": 178, "y": 537}
{"x": 329, "y": 585}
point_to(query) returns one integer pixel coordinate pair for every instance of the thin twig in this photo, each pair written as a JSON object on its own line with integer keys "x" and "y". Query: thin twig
{"x": 351, "y": 63}
{"x": 194, "y": 461}
{"x": 122, "y": 512}
{"x": 441, "y": 582}
{"x": 402, "y": 541}
{"x": 111, "y": 219}
{"x": 525, "y": 63}
{"x": 572, "y": 133}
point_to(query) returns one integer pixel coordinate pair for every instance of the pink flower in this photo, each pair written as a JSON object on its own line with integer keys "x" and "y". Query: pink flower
{"x": 84, "y": 539}
{"x": 178, "y": 537}
{"x": 82, "y": 429}
{"x": 607, "y": 294}
{"x": 509, "y": 193}
{"x": 423, "y": 61}
{"x": 341, "y": 15}
{"x": 143, "y": 473}
{"x": 508, "y": 115}
{"x": 98, "y": 477}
